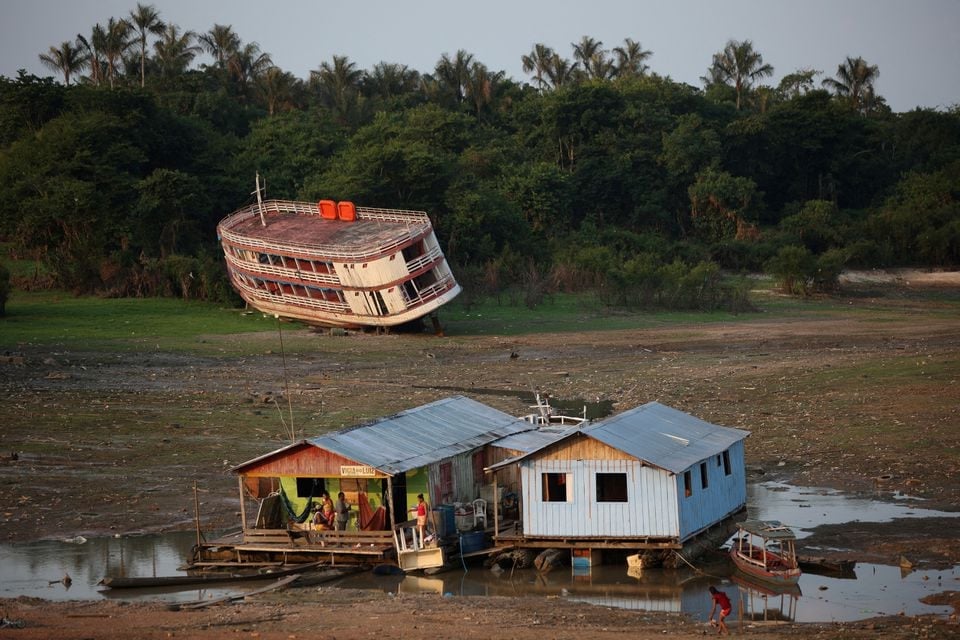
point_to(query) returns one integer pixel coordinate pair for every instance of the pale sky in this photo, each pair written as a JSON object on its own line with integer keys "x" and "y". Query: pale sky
{"x": 915, "y": 44}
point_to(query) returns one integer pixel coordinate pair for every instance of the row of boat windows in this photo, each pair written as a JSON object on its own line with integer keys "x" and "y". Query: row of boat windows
{"x": 612, "y": 487}
{"x": 287, "y": 262}
{"x": 290, "y": 289}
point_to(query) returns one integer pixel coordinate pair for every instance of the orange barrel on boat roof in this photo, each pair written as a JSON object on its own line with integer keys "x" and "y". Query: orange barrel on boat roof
{"x": 347, "y": 211}
{"x": 328, "y": 209}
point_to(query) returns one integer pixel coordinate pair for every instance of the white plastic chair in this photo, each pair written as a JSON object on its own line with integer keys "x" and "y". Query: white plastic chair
{"x": 480, "y": 512}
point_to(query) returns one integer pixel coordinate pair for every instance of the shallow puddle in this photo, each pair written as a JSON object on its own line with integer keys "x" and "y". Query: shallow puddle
{"x": 35, "y": 569}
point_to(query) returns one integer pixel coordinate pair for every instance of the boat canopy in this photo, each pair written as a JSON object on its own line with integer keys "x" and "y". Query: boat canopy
{"x": 767, "y": 529}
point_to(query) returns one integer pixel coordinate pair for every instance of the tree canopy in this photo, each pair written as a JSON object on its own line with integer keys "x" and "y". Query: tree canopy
{"x": 591, "y": 172}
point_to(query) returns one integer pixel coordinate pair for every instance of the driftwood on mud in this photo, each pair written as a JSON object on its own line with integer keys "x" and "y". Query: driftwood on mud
{"x": 279, "y": 584}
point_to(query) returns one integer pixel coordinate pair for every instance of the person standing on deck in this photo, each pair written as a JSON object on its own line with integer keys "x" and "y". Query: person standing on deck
{"x": 421, "y": 517}
{"x": 342, "y": 507}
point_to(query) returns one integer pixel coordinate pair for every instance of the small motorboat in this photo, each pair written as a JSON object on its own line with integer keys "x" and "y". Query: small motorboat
{"x": 766, "y": 550}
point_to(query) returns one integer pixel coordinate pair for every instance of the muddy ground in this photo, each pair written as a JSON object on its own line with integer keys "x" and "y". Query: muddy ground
{"x": 858, "y": 392}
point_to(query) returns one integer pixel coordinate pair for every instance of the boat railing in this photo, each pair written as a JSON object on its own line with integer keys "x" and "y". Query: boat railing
{"x": 393, "y": 215}
{"x": 421, "y": 261}
{"x": 417, "y": 223}
{"x": 285, "y": 273}
{"x": 433, "y": 291}
{"x": 279, "y": 298}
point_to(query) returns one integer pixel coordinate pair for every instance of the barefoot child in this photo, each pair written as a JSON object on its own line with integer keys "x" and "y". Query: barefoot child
{"x": 720, "y": 600}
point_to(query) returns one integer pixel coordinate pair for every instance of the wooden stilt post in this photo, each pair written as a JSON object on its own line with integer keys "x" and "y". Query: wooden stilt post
{"x": 196, "y": 510}
{"x": 496, "y": 508}
{"x": 243, "y": 506}
{"x": 393, "y": 515}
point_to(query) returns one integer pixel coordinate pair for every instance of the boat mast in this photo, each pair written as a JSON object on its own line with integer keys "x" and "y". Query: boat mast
{"x": 263, "y": 220}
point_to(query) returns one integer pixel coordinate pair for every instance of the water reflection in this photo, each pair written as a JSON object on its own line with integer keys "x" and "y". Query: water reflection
{"x": 879, "y": 590}
{"x": 758, "y": 601}
{"x": 36, "y": 570}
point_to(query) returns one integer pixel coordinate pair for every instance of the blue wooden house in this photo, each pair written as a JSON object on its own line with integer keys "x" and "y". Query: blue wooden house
{"x": 652, "y": 477}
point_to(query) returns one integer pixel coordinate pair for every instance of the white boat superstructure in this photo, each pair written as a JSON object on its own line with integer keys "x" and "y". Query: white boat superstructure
{"x": 336, "y": 264}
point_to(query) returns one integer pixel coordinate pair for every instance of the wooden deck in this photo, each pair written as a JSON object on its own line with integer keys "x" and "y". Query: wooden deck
{"x": 258, "y": 546}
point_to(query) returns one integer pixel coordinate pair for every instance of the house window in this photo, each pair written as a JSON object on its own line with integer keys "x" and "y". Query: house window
{"x": 704, "y": 482}
{"x": 687, "y": 483}
{"x": 726, "y": 463}
{"x": 557, "y": 487}
{"x": 307, "y": 487}
{"x": 446, "y": 480}
{"x": 611, "y": 487}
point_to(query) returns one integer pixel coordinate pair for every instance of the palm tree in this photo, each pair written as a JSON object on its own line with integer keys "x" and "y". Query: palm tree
{"x": 278, "y": 89}
{"x": 387, "y": 80}
{"x": 116, "y": 42}
{"x": 738, "y": 64}
{"x": 631, "y": 59}
{"x": 175, "y": 51}
{"x": 145, "y": 20}
{"x": 537, "y": 62}
{"x": 585, "y": 51}
{"x": 221, "y": 42}
{"x": 854, "y": 82}
{"x": 93, "y": 51}
{"x": 338, "y": 83}
{"x": 247, "y": 63}
{"x": 68, "y": 59}
{"x": 599, "y": 67}
{"x": 561, "y": 71}
{"x": 453, "y": 74}
{"x": 481, "y": 85}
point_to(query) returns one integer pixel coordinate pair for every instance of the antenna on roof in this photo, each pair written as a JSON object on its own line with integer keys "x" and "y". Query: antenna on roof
{"x": 257, "y": 191}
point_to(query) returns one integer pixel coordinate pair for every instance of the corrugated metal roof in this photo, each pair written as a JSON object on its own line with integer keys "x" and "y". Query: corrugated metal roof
{"x": 534, "y": 439}
{"x": 529, "y": 441}
{"x": 665, "y": 437}
{"x": 420, "y": 436}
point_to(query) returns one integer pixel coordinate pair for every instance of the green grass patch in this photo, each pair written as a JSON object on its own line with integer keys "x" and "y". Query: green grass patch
{"x": 60, "y": 319}
{"x": 561, "y": 313}
{"x": 57, "y": 318}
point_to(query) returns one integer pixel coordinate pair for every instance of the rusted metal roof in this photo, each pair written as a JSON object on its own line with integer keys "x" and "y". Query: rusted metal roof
{"x": 664, "y": 437}
{"x": 423, "y": 435}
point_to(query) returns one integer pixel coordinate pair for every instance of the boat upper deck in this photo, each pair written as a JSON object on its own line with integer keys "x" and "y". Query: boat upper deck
{"x": 298, "y": 227}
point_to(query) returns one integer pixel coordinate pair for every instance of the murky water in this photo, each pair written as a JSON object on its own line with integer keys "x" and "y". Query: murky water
{"x": 35, "y": 569}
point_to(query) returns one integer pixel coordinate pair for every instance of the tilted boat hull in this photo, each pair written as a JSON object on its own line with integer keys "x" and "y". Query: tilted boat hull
{"x": 370, "y": 268}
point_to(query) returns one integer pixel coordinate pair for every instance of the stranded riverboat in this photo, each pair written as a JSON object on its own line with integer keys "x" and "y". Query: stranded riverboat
{"x": 335, "y": 264}
{"x": 766, "y": 551}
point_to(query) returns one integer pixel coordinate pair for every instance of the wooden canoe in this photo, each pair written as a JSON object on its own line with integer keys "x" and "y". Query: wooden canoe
{"x": 119, "y": 582}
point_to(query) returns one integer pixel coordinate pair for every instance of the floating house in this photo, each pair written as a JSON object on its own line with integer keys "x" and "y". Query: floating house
{"x": 436, "y": 449}
{"x": 651, "y": 479}
{"x": 336, "y": 264}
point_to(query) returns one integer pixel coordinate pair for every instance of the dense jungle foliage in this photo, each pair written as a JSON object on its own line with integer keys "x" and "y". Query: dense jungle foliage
{"x": 596, "y": 173}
